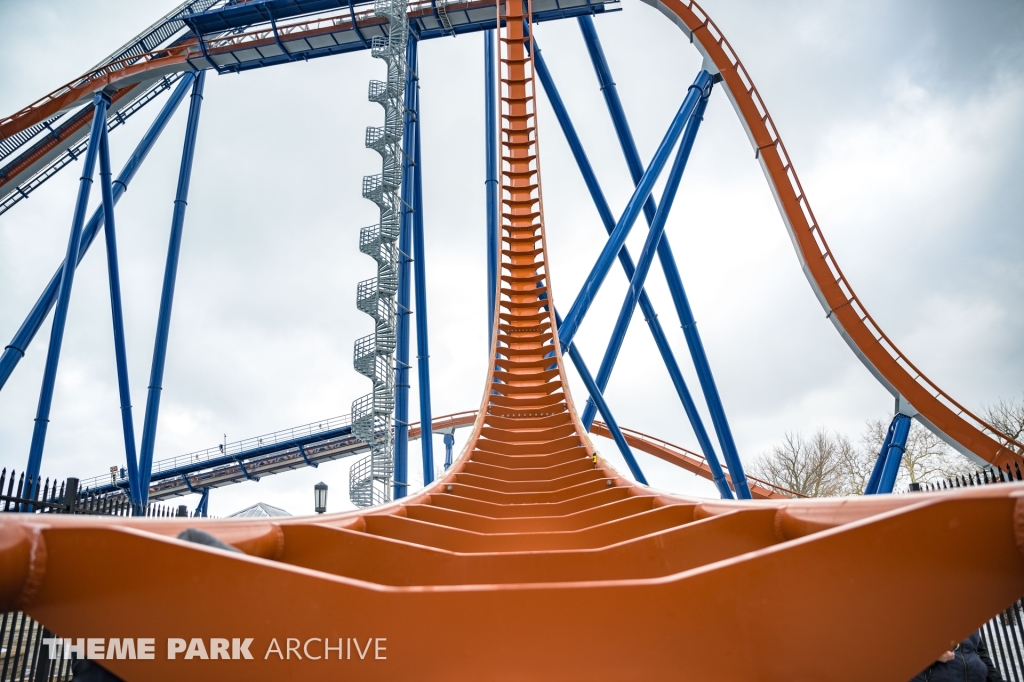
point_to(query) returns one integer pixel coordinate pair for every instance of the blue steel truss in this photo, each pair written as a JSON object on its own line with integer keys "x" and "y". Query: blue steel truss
{"x": 352, "y": 35}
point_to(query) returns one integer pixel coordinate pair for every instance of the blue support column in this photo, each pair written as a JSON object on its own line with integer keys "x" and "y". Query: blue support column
{"x": 117, "y": 317}
{"x": 615, "y": 108}
{"x": 707, "y": 380}
{"x": 203, "y": 508}
{"x": 422, "y": 337}
{"x": 449, "y": 441}
{"x": 646, "y": 307}
{"x": 602, "y": 406}
{"x": 668, "y": 263}
{"x": 401, "y": 473}
{"x": 15, "y": 350}
{"x": 590, "y": 287}
{"x": 876, "y": 473}
{"x": 60, "y": 315}
{"x": 491, "y": 183}
{"x": 163, "y": 325}
{"x": 900, "y": 429}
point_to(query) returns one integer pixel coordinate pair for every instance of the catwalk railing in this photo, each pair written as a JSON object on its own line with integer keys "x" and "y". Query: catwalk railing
{"x": 234, "y": 448}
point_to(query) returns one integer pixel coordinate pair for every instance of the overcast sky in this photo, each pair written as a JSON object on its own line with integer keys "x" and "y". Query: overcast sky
{"x": 904, "y": 120}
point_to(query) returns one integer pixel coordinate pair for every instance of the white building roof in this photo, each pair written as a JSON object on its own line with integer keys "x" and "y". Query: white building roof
{"x": 258, "y": 510}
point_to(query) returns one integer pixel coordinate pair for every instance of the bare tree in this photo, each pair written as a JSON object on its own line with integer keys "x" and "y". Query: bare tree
{"x": 827, "y": 465}
{"x": 1008, "y": 417}
{"x": 815, "y": 466}
{"x": 858, "y": 463}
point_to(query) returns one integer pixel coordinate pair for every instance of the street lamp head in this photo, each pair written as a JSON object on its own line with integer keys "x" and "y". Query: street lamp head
{"x": 320, "y": 497}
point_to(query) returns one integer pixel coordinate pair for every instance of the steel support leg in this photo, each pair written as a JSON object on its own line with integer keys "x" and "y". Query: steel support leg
{"x": 707, "y": 381}
{"x": 422, "y": 337}
{"x": 203, "y": 508}
{"x": 60, "y": 315}
{"x": 654, "y": 238}
{"x": 163, "y": 325}
{"x": 646, "y": 259}
{"x": 625, "y": 223}
{"x": 401, "y": 478}
{"x": 626, "y": 261}
{"x": 609, "y": 420}
{"x": 893, "y": 454}
{"x": 117, "y": 316}
{"x": 15, "y": 350}
{"x": 668, "y": 263}
{"x": 876, "y": 473}
{"x": 491, "y": 182}
{"x": 449, "y": 441}
{"x": 606, "y": 413}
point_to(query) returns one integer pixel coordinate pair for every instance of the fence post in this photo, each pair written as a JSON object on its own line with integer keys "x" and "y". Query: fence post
{"x": 70, "y": 495}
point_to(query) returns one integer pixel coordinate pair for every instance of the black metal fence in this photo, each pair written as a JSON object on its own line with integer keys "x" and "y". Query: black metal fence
{"x": 1004, "y": 634}
{"x": 24, "y": 654}
{"x": 1004, "y": 637}
{"x": 980, "y": 477}
{"x": 41, "y": 496}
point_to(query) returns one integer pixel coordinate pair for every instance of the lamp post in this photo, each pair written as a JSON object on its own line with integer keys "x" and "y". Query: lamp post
{"x": 320, "y": 497}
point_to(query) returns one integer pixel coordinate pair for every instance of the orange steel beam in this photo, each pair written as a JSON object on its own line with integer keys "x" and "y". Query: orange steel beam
{"x": 531, "y": 549}
{"x": 662, "y": 449}
{"x": 449, "y": 421}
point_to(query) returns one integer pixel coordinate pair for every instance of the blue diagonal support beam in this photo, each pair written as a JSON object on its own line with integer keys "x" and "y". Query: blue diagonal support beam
{"x": 606, "y": 413}
{"x": 245, "y": 472}
{"x": 117, "y": 317}
{"x": 668, "y": 263}
{"x": 626, "y": 261}
{"x": 16, "y": 349}
{"x": 611, "y": 249}
{"x": 890, "y": 456}
{"x": 876, "y": 473}
{"x": 203, "y": 508}
{"x": 60, "y": 316}
{"x": 654, "y": 237}
{"x": 305, "y": 457}
{"x": 163, "y": 325}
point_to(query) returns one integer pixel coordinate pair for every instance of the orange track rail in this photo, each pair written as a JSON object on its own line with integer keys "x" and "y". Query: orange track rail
{"x": 531, "y": 558}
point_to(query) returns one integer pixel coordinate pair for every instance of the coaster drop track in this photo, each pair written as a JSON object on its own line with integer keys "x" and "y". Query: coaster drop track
{"x": 531, "y": 558}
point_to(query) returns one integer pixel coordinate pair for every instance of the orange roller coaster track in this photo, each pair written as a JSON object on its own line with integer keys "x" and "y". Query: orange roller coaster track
{"x": 531, "y": 558}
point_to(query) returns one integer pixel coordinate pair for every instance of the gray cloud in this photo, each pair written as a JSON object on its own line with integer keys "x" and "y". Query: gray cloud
{"x": 902, "y": 118}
